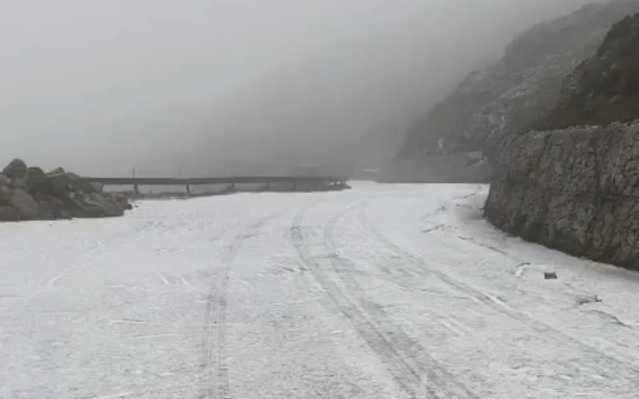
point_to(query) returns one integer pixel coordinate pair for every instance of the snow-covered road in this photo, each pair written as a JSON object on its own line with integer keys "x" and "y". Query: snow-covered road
{"x": 383, "y": 291}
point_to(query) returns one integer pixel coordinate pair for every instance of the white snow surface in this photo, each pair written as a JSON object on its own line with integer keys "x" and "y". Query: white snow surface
{"x": 383, "y": 291}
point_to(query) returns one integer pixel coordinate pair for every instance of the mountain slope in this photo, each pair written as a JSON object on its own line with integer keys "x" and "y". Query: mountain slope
{"x": 511, "y": 96}
{"x": 576, "y": 188}
{"x": 604, "y": 88}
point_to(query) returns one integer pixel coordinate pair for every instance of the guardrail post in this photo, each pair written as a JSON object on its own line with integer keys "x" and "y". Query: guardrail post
{"x": 136, "y": 189}
{"x": 188, "y": 189}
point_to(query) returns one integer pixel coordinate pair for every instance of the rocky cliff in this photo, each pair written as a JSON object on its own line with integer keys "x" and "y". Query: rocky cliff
{"x": 577, "y": 188}
{"x": 511, "y": 96}
{"x": 28, "y": 193}
{"x": 604, "y": 88}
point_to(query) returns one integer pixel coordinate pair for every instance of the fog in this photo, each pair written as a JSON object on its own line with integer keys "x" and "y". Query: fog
{"x": 215, "y": 87}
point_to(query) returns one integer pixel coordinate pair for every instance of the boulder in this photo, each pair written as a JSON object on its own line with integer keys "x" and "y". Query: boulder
{"x": 97, "y": 187}
{"x": 63, "y": 183}
{"x": 30, "y": 193}
{"x": 9, "y": 214}
{"x": 16, "y": 169}
{"x": 94, "y": 205}
{"x": 37, "y": 180}
{"x": 122, "y": 200}
{"x": 52, "y": 207}
{"x": 26, "y": 206}
{"x": 79, "y": 184}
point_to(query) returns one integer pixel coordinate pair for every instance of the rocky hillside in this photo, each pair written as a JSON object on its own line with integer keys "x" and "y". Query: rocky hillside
{"x": 605, "y": 88}
{"x": 28, "y": 193}
{"x": 577, "y": 188}
{"x": 511, "y": 96}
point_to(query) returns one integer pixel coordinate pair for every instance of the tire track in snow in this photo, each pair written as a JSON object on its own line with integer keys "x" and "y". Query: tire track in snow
{"x": 92, "y": 252}
{"x": 595, "y": 355}
{"x": 388, "y": 342}
{"x": 442, "y": 384}
{"x": 216, "y": 384}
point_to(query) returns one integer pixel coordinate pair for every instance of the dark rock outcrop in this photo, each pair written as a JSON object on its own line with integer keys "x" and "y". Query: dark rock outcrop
{"x": 577, "y": 188}
{"x": 28, "y": 193}
{"x": 16, "y": 169}
{"x": 512, "y": 96}
{"x": 604, "y": 88}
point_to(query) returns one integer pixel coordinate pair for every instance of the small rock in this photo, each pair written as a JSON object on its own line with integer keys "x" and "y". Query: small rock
{"x": 550, "y": 276}
{"x": 585, "y": 299}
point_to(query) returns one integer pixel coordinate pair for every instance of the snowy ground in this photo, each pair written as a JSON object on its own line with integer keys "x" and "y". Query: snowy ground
{"x": 383, "y": 291}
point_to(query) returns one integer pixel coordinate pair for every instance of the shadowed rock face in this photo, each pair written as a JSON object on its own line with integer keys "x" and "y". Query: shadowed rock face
{"x": 512, "y": 96}
{"x": 577, "y": 188}
{"x": 604, "y": 88}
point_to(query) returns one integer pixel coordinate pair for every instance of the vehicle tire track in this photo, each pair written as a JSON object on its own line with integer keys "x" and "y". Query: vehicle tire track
{"x": 413, "y": 353}
{"x": 216, "y": 384}
{"x": 93, "y": 251}
{"x": 418, "y": 265}
{"x": 386, "y": 341}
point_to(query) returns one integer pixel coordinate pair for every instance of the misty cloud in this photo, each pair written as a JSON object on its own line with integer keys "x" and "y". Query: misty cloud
{"x": 244, "y": 86}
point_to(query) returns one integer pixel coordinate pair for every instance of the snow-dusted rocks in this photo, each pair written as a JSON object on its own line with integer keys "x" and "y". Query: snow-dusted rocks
{"x": 16, "y": 169}
{"x": 27, "y": 193}
{"x": 575, "y": 190}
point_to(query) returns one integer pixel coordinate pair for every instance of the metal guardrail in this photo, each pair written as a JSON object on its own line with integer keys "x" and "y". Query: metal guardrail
{"x": 294, "y": 181}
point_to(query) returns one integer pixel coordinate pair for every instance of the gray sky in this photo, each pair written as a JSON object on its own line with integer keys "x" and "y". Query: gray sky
{"x": 235, "y": 86}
